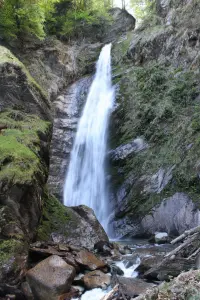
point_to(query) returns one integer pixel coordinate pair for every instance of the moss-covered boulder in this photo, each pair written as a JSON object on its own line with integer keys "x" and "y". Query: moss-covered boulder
{"x": 77, "y": 226}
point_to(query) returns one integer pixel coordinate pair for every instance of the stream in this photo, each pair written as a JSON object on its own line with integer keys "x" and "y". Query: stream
{"x": 129, "y": 263}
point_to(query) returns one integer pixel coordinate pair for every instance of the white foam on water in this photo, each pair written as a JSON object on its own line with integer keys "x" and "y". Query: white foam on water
{"x": 129, "y": 272}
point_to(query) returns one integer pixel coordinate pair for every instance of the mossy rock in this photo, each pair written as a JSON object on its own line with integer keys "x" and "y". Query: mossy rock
{"x": 20, "y": 145}
{"x": 13, "y": 255}
{"x": 54, "y": 217}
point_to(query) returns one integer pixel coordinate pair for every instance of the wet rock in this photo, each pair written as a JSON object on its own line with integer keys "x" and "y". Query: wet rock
{"x": 103, "y": 247}
{"x": 50, "y": 278}
{"x": 89, "y": 261}
{"x": 96, "y": 279}
{"x": 161, "y": 237}
{"x": 115, "y": 270}
{"x": 133, "y": 287}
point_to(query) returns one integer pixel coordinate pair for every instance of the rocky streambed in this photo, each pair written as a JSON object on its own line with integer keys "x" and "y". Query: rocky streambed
{"x": 64, "y": 271}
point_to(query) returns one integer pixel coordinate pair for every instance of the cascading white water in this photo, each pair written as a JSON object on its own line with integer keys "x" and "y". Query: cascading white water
{"x": 85, "y": 182}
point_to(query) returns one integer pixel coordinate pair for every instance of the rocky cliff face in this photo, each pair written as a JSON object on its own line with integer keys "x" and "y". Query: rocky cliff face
{"x": 25, "y": 132}
{"x": 158, "y": 101}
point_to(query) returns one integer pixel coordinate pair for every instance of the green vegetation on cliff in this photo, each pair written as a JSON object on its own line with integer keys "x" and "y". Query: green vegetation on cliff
{"x": 54, "y": 217}
{"x": 160, "y": 104}
{"x": 8, "y": 249}
{"x": 20, "y": 145}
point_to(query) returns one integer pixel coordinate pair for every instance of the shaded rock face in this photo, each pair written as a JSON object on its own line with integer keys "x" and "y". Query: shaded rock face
{"x": 174, "y": 215}
{"x": 68, "y": 109}
{"x": 154, "y": 78}
{"x": 18, "y": 88}
{"x": 24, "y": 149}
{"x": 50, "y": 278}
{"x": 55, "y": 65}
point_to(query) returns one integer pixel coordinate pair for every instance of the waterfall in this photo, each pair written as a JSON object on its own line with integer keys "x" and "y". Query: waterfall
{"x": 85, "y": 181}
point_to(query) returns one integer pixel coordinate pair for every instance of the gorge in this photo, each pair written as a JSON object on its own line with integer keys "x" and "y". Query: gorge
{"x": 119, "y": 148}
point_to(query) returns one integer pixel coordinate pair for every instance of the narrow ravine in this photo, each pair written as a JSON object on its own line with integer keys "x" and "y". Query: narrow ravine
{"x": 86, "y": 181}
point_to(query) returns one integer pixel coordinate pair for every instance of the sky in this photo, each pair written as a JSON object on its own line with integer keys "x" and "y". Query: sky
{"x": 118, "y": 3}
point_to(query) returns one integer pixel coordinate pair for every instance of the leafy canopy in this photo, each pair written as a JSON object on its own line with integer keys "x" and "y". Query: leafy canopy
{"x": 21, "y": 18}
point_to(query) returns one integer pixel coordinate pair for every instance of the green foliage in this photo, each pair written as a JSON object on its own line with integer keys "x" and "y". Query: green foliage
{"x": 54, "y": 217}
{"x": 160, "y": 104}
{"x": 20, "y": 146}
{"x": 143, "y": 8}
{"x": 23, "y": 18}
{"x": 8, "y": 248}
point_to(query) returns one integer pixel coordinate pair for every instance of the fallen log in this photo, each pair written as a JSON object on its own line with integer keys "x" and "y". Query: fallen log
{"x": 186, "y": 234}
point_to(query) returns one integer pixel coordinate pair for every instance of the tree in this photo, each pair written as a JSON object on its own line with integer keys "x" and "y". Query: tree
{"x": 19, "y": 18}
{"x": 142, "y": 7}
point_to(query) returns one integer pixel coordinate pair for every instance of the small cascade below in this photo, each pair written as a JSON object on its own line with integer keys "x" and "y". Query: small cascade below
{"x": 85, "y": 182}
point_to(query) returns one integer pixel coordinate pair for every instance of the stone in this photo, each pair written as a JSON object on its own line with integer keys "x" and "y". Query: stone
{"x": 103, "y": 247}
{"x": 50, "y": 278}
{"x": 70, "y": 259}
{"x": 82, "y": 229}
{"x": 89, "y": 261}
{"x": 133, "y": 287}
{"x": 123, "y": 151}
{"x": 161, "y": 237}
{"x": 115, "y": 270}
{"x": 96, "y": 279}
{"x": 173, "y": 215}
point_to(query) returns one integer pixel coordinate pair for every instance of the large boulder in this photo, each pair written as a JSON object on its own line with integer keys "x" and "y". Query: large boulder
{"x": 73, "y": 226}
{"x": 50, "y": 278}
{"x": 173, "y": 215}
